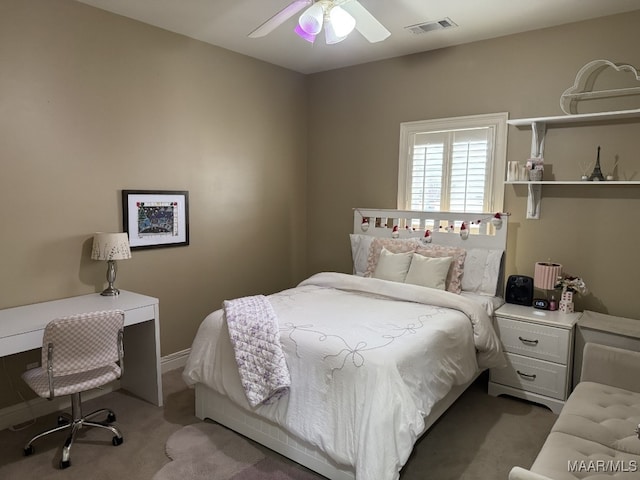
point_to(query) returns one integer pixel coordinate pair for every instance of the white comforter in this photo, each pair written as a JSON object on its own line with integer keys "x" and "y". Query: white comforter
{"x": 368, "y": 360}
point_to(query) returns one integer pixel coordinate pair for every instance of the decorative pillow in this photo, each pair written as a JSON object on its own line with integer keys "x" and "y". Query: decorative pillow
{"x": 360, "y": 252}
{"x": 392, "y": 266}
{"x": 454, "y": 277}
{"x": 428, "y": 271}
{"x": 393, "y": 245}
{"x": 482, "y": 271}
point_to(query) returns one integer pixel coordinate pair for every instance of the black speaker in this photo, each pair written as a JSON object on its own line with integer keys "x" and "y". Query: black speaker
{"x": 519, "y": 290}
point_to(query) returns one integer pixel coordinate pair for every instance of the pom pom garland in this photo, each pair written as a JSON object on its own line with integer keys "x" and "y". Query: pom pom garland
{"x": 464, "y": 232}
{"x": 495, "y": 219}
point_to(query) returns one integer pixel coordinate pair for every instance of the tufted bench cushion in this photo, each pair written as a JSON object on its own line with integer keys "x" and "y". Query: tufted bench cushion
{"x": 597, "y": 423}
{"x": 595, "y": 435}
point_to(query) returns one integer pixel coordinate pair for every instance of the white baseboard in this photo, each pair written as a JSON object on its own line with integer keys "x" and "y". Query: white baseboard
{"x": 174, "y": 360}
{"x": 21, "y": 413}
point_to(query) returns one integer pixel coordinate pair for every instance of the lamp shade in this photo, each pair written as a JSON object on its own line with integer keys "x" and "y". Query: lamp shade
{"x": 312, "y": 19}
{"x": 342, "y": 23}
{"x": 546, "y": 275}
{"x": 110, "y": 246}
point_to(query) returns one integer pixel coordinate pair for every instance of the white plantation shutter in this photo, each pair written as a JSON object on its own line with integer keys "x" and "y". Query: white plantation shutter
{"x": 450, "y": 170}
{"x": 471, "y": 166}
{"x": 426, "y": 178}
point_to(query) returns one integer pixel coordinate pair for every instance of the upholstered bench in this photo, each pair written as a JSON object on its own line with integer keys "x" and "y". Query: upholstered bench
{"x": 596, "y": 436}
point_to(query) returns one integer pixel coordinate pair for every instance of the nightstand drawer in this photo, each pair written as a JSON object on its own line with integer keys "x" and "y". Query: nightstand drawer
{"x": 533, "y": 340}
{"x": 537, "y": 376}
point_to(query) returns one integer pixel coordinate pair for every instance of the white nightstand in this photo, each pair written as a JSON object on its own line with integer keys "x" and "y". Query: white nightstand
{"x": 538, "y": 345}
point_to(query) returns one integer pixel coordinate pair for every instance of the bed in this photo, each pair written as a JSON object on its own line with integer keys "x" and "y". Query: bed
{"x": 373, "y": 359}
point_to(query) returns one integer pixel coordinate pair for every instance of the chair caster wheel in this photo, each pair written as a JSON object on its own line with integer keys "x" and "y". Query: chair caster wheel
{"x": 62, "y": 421}
{"x": 111, "y": 417}
{"x": 29, "y": 451}
{"x": 65, "y": 464}
{"x": 117, "y": 441}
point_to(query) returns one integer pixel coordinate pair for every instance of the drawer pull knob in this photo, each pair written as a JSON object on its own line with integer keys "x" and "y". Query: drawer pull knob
{"x": 526, "y": 376}
{"x": 527, "y": 341}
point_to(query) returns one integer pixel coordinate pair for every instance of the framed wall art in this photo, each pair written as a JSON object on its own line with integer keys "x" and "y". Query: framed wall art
{"x": 156, "y": 218}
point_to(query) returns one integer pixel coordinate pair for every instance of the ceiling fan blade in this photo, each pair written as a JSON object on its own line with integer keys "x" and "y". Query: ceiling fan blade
{"x": 279, "y": 18}
{"x": 366, "y": 24}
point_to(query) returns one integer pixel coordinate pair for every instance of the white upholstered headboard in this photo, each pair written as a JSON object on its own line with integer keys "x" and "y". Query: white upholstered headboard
{"x": 484, "y": 231}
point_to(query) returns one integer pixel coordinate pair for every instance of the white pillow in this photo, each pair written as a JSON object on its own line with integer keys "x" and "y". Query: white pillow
{"x": 482, "y": 271}
{"x": 392, "y": 266}
{"x": 360, "y": 252}
{"x": 428, "y": 271}
{"x": 393, "y": 245}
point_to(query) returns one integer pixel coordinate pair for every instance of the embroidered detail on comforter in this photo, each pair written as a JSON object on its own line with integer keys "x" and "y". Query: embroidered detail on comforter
{"x": 255, "y": 336}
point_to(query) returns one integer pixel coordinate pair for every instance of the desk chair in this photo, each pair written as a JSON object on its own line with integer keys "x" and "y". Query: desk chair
{"x": 79, "y": 353}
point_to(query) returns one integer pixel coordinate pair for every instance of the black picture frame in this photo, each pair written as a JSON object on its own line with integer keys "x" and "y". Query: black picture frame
{"x": 156, "y": 218}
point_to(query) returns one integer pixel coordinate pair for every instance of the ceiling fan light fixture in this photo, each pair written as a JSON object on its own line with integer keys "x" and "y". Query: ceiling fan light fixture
{"x": 304, "y": 35}
{"x": 312, "y": 19}
{"x": 330, "y": 35}
{"x": 341, "y": 21}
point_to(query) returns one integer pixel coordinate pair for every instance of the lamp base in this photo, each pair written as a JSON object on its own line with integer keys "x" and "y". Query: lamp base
{"x": 110, "y": 292}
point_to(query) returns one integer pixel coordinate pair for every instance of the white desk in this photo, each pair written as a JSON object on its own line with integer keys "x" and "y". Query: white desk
{"x": 22, "y": 329}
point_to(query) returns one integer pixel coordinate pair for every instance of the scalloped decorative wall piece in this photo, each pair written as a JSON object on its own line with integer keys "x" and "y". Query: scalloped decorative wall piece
{"x": 582, "y": 88}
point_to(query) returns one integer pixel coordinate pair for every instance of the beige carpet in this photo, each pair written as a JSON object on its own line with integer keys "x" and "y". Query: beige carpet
{"x": 479, "y": 438}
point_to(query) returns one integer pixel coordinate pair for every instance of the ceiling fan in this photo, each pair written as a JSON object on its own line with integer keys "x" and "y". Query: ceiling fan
{"x": 338, "y": 17}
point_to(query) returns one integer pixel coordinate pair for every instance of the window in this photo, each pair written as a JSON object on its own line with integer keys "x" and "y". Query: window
{"x": 453, "y": 164}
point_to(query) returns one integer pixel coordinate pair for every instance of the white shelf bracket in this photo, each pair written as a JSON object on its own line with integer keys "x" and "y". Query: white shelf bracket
{"x": 538, "y": 131}
{"x": 533, "y": 201}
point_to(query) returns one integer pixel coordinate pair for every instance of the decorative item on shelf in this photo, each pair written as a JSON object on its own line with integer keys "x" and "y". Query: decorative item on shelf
{"x": 523, "y": 173}
{"x": 584, "y": 170}
{"x": 544, "y": 278}
{"x": 569, "y": 286}
{"x": 611, "y": 176}
{"x": 596, "y": 175}
{"x": 364, "y": 226}
{"x": 464, "y": 231}
{"x": 513, "y": 171}
{"x": 587, "y": 79}
{"x": 427, "y": 237}
{"x": 110, "y": 247}
{"x": 395, "y": 233}
{"x": 535, "y": 166}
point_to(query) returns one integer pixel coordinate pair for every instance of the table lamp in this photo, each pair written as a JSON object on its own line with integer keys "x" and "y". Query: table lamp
{"x": 110, "y": 247}
{"x": 545, "y": 277}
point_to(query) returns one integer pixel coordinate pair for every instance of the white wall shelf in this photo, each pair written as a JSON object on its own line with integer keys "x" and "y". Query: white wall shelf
{"x": 538, "y": 131}
{"x": 578, "y": 182}
{"x": 577, "y": 119}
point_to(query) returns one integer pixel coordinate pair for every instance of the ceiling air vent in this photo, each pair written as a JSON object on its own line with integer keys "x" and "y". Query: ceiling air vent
{"x": 425, "y": 27}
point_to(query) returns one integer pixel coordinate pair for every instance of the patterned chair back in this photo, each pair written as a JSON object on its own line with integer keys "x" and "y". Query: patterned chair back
{"x": 83, "y": 342}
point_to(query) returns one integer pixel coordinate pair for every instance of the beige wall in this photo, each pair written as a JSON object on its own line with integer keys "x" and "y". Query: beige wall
{"x": 92, "y": 103}
{"x": 355, "y": 116}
